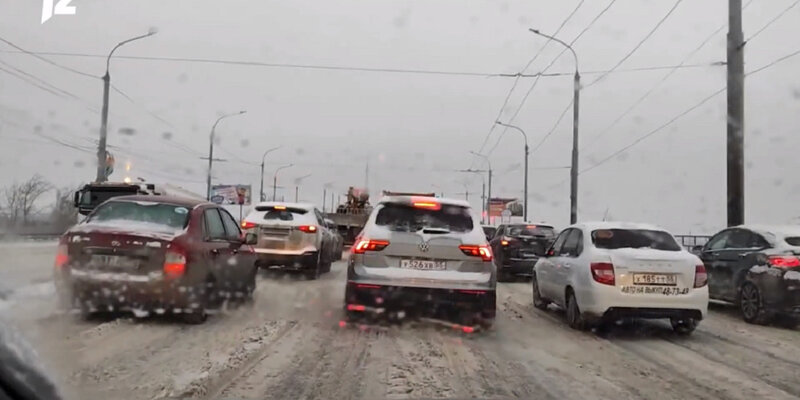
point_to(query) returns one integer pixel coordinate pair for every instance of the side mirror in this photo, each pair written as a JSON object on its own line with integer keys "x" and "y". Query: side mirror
{"x": 550, "y": 252}
{"x": 250, "y": 238}
{"x": 697, "y": 250}
{"x": 76, "y": 199}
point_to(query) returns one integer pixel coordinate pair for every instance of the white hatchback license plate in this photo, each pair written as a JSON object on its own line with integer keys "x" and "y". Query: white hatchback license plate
{"x": 428, "y": 265}
{"x": 662, "y": 290}
{"x": 655, "y": 279}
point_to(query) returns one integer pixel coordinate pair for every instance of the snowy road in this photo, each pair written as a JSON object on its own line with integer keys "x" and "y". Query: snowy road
{"x": 289, "y": 346}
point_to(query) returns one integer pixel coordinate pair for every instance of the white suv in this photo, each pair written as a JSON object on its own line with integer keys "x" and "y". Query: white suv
{"x": 606, "y": 271}
{"x": 422, "y": 255}
{"x": 293, "y": 236}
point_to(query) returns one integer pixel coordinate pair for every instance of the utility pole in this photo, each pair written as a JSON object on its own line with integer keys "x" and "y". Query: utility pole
{"x": 483, "y": 201}
{"x": 573, "y": 173}
{"x": 735, "y": 144}
{"x": 101, "y": 144}
{"x": 296, "y": 193}
{"x": 324, "y": 197}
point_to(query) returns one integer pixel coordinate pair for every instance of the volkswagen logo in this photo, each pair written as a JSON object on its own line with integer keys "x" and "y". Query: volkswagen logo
{"x": 424, "y": 247}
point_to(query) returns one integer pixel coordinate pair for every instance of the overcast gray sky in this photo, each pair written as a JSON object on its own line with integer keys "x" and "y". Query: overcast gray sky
{"x": 414, "y": 129}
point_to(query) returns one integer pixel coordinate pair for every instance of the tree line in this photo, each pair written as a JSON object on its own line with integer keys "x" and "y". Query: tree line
{"x": 21, "y": 204}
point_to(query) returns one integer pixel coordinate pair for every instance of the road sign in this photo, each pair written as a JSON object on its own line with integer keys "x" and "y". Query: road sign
{"x": 109, "y": 164}
{"x": 231, "y": 194}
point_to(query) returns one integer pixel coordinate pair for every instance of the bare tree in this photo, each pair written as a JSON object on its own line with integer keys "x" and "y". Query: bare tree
{"x": 20, "y": 198}
{"x": 11, "y": 206}
{"x": 64, "y": 213}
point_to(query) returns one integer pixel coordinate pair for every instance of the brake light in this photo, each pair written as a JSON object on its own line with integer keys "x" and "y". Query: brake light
{"x": 248, "y": 224}
{"x": 279, "y": 207}
{"x": 531, "y": 227}
{"x": 784, "y": 261}
{"x": 365, "y": 245}
{"x": 174, "y": 263}
{"x": 367, "y": 286}
{"x": 603, "y": 272}
{"x": 356, "y": 307}
{"x": 308, "y": 228}
{"x": 473, "y": 291}
{"x": 62, "y": 256}
{"x": 426, "y": 203}
{"x": 700, "y": 276}
{"x": 482, "y": 251}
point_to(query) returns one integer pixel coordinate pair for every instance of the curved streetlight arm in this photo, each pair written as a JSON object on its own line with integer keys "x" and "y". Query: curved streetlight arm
{"x": 108, "y": 60}
{"x": 267, "y": 152}
{"x": 282, "y": 167}
{"x": 225, "y": 116}
{"x": 525, "y": 136}
{"x": 489, "y": 163}
{"x": 574, "y": 55}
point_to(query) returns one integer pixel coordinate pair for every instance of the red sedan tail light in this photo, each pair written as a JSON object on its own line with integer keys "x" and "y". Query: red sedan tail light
{"x": 700, "y": 276}
{"x": 62, "y": 256}
{"x": 482, "y": 251}
{"x": 784, "y": 261}
{"x": 248, "y": 225}
{"x": 174, "y": 263}
{"x": 603, "y": 272}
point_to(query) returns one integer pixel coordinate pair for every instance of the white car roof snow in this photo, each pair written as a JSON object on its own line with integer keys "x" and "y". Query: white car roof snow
{"x": 590, "y": 226}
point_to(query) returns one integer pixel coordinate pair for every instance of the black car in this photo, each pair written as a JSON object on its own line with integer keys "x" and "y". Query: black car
{"x": 489, "y": 231}
{"x": 517, "y": 247}
{"x": 758, "y": 269}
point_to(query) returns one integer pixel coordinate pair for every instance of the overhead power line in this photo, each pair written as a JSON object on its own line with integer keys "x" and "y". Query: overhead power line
{"x": 53, "y": 63}
{"x": 544, "y": 71}
{"x": 641, "y": 42}
{"x": 516, "y": 80}
{"x": 772, "y": 21}
{"x": 685, "y": 112}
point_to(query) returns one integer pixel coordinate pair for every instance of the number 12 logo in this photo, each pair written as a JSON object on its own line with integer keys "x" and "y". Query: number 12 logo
{"x": 60, "y": 8}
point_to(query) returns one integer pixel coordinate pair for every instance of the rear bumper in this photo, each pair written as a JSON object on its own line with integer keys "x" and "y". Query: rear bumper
{"x": 599, "y": 301}
{"x": 103, "y": 294}
{"x": 286, "y": 261}
{"x": 518, "y": 266}
{"x": 418, "y": 301}
{"x": 437, "y": 280}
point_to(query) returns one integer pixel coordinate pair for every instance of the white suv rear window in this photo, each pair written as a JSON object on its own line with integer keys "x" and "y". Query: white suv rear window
{"x": 405, "y": 218}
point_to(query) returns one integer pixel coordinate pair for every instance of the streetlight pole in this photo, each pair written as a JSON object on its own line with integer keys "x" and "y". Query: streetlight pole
{"x": 489, "y": 194}
{"x": 261, "y": 195}
{"x": 527, "y": 152}
{"x": 211, "y": 151}
{"x": 573, "y": 173}
{"x": 101, "y": 145}
{"x": 275, "y": 181}
{"x": 483, "y": 188}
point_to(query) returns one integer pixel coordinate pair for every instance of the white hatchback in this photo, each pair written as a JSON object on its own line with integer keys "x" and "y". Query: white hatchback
{"x": 607, "y": 271}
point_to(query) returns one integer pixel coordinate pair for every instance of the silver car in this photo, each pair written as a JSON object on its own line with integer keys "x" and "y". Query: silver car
{"x": 422, "y": 256}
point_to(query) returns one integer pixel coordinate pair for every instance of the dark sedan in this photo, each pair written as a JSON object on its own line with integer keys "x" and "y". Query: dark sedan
{"x": 155, "y": 254}
{"x": 756, "y": 267}
{"x": 517, "y": 247}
